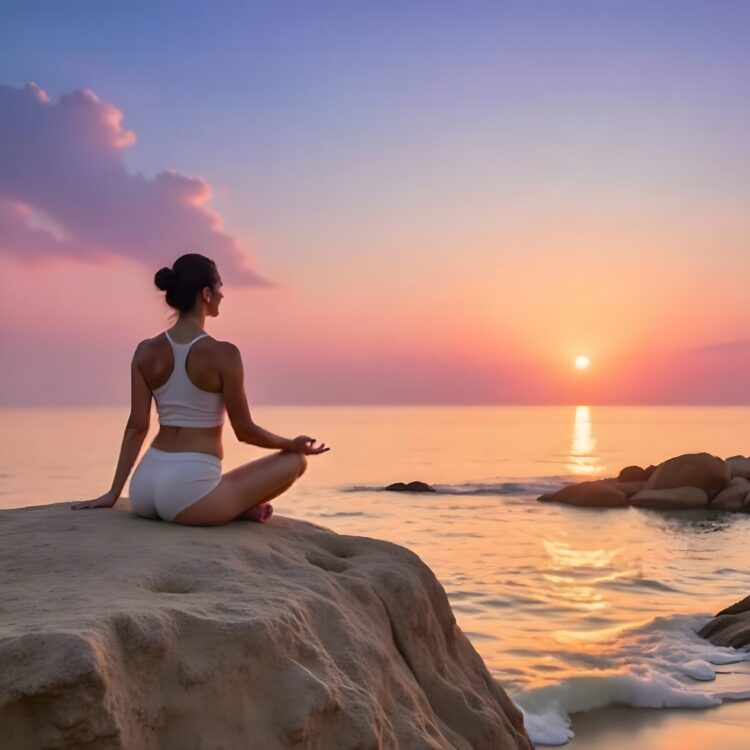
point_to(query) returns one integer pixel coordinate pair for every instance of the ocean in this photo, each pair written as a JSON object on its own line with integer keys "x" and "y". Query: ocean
{"x": 571, "y": 609}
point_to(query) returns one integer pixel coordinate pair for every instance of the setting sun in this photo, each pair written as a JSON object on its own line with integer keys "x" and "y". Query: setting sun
{"x": 582, "y": 362}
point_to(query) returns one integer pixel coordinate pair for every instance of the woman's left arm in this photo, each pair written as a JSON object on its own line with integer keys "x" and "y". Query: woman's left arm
{"x": 136, "y": 430}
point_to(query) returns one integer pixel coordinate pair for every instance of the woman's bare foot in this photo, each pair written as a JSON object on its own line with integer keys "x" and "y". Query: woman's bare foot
{"x": 260, "y": 513}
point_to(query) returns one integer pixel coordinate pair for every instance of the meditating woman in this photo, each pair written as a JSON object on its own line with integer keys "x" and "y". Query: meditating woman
{"x": 193, "y": 378}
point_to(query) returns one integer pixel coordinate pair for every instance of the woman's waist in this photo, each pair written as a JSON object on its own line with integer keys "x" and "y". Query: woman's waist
{"x": 205, "y": 440}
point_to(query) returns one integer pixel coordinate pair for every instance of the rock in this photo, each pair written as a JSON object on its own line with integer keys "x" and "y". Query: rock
{"x": 411, "y": 487}
{"x": 632, "y": 474}
{"x": 730, "y": 627}
{"x": 630, "y": 488}
{"x": 735, "y": 496}
{"x": 650, "y": 470}
{"x": 703, "y": 470}
{"x": 602, "y": 493}
{"x": 739, "y": 466}
{"x": 122, "y": 632}
{"x": 677, "y": 498}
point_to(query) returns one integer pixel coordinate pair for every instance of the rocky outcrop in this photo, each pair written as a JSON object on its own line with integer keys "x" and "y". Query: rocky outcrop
{"x": 122, "y": 632}
{"x": 693, "y": 481}
{"x": 731, "y": 626}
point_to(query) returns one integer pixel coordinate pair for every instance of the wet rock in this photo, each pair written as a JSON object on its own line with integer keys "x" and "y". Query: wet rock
{"x": 410, "y": 487}
{"x": 597, "y": 494}
{"x": 675, "y": 498}
{"x": 730, "y": 627}
{"x": 702, "y": 470}
{"x": 735, "y": 496}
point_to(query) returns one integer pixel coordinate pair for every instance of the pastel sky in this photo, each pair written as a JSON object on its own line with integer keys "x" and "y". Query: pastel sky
{"x": 409, "y": 202}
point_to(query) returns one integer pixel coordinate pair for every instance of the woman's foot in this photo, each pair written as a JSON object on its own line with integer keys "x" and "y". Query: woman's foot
{"x": 260, "y": 513}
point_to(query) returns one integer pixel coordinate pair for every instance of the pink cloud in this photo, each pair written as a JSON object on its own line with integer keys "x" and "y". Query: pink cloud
{"x": 65, "y": 192}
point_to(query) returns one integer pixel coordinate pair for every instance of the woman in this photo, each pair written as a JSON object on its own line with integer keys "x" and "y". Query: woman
{"x": 193, "y": 378}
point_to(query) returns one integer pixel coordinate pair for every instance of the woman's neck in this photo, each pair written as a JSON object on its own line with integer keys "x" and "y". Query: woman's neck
{"x": 191, "y": 323}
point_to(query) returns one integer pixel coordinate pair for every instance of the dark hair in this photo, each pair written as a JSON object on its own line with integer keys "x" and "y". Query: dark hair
{"x": 189, "y": 274}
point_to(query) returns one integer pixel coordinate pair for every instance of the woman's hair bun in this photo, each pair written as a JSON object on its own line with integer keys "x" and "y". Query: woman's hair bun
{"x": 164, "y": 278}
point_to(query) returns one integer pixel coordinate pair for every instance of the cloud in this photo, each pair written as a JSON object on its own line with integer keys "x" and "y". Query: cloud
{"x": 65, "y": 192}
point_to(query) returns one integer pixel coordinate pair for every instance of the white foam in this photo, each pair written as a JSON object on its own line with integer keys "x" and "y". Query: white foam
{"x": 662, "y": 664}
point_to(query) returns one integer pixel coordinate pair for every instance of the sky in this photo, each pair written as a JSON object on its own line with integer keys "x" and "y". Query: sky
{"x": 409, "y": 202}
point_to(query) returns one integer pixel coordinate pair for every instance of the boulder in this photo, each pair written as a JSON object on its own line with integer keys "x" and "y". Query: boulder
{"x": 630, "y": 488}
{"x": 735, "y": 496}
{"x": 632, "y": 474}
{"x": 122, "y": 632}
{"x": 730, "y": 627}
{"x": 739, "y": 466}
{"x": 602, "y": 493}
{"x": 410, "y": 487}
{"x": 677, "y": 498}
{"x": 709, "y": 473}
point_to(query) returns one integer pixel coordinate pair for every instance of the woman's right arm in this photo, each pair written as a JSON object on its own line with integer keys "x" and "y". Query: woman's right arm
{"x": 235, "y": 400}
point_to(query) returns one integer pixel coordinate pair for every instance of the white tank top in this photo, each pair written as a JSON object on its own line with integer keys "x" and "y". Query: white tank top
{"x": 182, "y": 404}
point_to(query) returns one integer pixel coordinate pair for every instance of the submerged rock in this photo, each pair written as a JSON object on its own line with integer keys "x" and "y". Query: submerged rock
{"x": 122, "y": 632}
{"x": 703, "y": 470}
{"x": 410, "y": 487}
{"x": 730, "y": 627}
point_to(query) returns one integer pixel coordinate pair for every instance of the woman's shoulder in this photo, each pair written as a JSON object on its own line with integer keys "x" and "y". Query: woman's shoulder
{"x": 218, "y": 347}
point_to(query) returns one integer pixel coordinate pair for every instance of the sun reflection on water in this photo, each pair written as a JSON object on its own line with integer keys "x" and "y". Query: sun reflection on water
{"x": 582, "y": 461}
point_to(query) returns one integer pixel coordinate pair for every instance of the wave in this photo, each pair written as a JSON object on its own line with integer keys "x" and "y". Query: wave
{"x": 661, "y": 664}
{"x": 535, "y": 486}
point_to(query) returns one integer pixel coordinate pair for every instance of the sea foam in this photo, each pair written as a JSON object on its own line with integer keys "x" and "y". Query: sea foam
{"x": 661, "y": 664}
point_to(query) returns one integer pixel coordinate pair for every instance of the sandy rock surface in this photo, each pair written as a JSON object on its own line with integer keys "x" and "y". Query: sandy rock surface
{"x": 122, "y": 632}
{"x": 731, "y": 626}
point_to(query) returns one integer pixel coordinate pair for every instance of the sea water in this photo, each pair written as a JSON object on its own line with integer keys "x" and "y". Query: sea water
{"x": 571, "y": 609}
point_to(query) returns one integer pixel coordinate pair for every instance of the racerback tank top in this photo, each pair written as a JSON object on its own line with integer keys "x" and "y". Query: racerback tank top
{"x": 182, "y": 404}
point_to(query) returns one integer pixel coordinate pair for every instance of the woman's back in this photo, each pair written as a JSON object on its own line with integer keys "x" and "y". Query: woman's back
{"x": 187, "y": 385}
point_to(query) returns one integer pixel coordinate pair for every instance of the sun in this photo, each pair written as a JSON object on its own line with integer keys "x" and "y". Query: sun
{"x": 582, "y": 362}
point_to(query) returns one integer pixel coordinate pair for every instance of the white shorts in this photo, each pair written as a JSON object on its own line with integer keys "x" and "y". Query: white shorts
{"x": 165, "y": 483}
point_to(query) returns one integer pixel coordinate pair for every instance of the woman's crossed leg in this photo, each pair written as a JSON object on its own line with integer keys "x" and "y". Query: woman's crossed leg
{"x": 244, "y": 487}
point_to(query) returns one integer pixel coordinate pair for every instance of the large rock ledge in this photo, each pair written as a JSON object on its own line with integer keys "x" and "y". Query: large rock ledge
{"x": 730, "y": 627}
{"x": 121, "y": 632}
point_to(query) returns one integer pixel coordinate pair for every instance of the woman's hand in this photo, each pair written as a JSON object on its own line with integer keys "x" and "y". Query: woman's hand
{"x": 304, "y": 444}
{"x": 107, "y": 500}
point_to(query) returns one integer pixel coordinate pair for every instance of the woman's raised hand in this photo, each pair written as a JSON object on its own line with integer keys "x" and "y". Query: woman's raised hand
{"x": 305, "y": 444}
{"x": 104, "y": 501}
